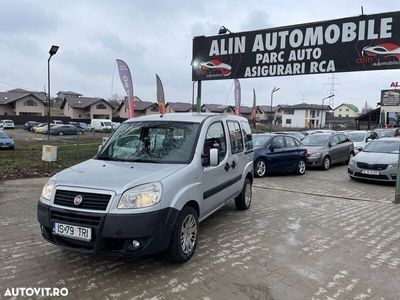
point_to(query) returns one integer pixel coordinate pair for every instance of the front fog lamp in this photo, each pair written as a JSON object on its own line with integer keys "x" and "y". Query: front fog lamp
{"x": 48, "y": 188}
{"x": 141, "y": 196}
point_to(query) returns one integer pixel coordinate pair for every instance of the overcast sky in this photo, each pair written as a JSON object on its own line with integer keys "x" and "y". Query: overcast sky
{"x": 156, "y": 37}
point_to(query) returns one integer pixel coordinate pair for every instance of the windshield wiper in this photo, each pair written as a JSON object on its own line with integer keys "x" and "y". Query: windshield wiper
{"x": 111, "y": 158}
{"x": 145, "y": 160}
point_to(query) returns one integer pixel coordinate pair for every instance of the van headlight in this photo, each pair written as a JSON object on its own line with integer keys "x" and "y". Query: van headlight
{"x": 49, "y": 188}
{"x": 141, "y": 196}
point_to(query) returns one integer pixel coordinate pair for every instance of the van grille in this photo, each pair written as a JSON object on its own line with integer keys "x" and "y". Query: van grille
{"x": 371, "y": 166}
{"x": 76, "y": 218}
{"x": 89, "y": 200}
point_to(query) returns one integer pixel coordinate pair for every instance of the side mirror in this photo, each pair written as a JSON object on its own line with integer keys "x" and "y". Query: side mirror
{"x": 99, "y": 148}
{"x": 369, "y": 140}
{"x": 360, "y": 148}
{"x": 214, "y": 157}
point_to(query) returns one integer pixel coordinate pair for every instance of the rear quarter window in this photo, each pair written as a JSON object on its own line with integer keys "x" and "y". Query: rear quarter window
{"x": 235, "y": 136}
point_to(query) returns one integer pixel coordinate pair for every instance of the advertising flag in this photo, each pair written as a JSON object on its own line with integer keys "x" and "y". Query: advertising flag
{"x": 237, "y": 97}
{"x": 254, "y": 108}
{"x": 126, "y": 79}
{"x": 160, "y": 95}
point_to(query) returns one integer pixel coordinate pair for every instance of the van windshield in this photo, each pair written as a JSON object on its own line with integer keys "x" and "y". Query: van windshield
{"x": 152, "y": 141}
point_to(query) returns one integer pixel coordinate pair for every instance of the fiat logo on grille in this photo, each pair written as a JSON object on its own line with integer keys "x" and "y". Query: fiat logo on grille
{"x": 78, "y": 200}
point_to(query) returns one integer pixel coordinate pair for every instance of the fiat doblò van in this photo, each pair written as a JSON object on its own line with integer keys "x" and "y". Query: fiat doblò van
{"x": 150, "y": 185}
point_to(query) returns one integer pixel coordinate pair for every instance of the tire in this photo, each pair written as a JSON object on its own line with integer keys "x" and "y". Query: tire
{"x": 326, "y": 163}
{"x": 61, "y": 133}
{"x": 351, "y": 155}
{"x": 260, "y": 168}
{"x": 243, "y": 201}
{"x": 301, "y": 167}
{"x": 176, "y": 251}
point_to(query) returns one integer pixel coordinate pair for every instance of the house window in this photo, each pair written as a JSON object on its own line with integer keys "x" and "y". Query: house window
{"x": 317, "y": 113}
{"x": 339, "y": 115}
{"x": 228, "y": 110}
{"x": 347, "y": 116}
{"x": 340, "y": 109}
{"x": 154, "y": 108}
{"x": 125, "y": 108}
{"x": 288, "y": 111}
{"x": 101, "y": 106}
{"x": 80, "y": 116}
{"x": 30, "y": 102}
{"x": 347, "y": 109}
{"x": 6, "y": 113}
{"x": 288, "y": 121}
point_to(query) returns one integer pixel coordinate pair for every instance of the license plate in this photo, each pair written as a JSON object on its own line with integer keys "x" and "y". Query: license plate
{"x": 370, "y": 172}
{"x": 72, "y": 231}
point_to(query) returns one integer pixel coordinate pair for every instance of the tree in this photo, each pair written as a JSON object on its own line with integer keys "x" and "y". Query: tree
{"x": 366, "y": 108}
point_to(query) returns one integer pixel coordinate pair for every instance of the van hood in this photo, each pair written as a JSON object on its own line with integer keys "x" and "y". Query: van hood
{"x": 114, "y": 175}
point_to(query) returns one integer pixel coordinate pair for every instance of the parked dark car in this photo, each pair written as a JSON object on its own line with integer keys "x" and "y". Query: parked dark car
{"x": 6, "y": 142}
{"x": 30, "y": 124}
{"x": 65, "y": 129}
{"x": 326, "y": 149}
{"x": 278, "y": 153}
{"x": 81, "y": 125}
{"x": 296, "y": 134}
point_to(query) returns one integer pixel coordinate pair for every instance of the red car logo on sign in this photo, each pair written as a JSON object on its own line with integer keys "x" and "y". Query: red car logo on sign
{"x": 386, "y": 51}
{"x": 215, "y": 68}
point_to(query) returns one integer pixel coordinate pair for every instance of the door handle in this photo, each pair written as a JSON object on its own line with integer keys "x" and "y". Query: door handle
{"x": 227, "y": 166}
{"x": 233, "y": 165}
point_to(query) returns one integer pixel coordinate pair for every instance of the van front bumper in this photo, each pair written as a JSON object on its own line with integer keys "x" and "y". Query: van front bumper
{"x": 111, "y": 233}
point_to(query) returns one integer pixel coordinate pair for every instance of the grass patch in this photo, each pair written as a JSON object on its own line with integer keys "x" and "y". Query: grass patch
{"x": 26, "y": 161}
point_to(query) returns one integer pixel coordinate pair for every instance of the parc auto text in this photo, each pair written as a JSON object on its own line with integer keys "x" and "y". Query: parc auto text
{"x": 271, "y": 59}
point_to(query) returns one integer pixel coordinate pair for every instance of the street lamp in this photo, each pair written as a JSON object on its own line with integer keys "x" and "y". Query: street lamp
{"x": 275, "y": 89}
{"x": 53, "y": 50}
{"x": 322, "y": 108}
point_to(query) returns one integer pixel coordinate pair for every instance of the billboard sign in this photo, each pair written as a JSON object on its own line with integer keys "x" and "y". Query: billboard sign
{"x": 363, "y": 43}
{"x": 390, "y": 98}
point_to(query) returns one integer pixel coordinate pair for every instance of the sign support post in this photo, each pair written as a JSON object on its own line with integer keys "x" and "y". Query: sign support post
{"x": 198, "y": 100}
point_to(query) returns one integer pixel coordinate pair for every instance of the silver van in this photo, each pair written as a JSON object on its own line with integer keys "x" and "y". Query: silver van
{"x": 150, "y": 185}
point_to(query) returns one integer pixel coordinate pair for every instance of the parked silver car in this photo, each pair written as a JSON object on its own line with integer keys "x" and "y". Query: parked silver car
{"x": 326, "y": 149}
{"x": 377, "y": 161}
{"x": 150, "y": 185}
{"x": 360, "y": 138}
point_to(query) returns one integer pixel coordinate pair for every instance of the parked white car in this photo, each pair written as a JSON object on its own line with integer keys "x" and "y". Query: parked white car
{"x": 7, "y": 124}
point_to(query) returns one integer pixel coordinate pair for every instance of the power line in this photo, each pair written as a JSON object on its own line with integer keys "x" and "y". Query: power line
{"x": 331, "y": 82}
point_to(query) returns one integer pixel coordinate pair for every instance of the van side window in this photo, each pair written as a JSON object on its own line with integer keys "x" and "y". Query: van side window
{"x": 248, "y": 141}
{"x": 215, "y": 138}
{"x": 235, "y": 136}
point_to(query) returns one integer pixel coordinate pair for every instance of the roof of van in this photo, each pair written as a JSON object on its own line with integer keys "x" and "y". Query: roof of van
{"x": 181, "y": 117}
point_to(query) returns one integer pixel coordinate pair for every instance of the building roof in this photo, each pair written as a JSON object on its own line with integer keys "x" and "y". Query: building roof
{"x": 80, "y": 102}
{"x": 248, "y": 109}
{"x": 308, "y": 106}
{"x": 180, "y": 106}
{"x": 267, "y": 108}
{"x": 139, "y": 104}
{"x": 15, "y": 94}
{"x": 351, "y": 106}
{"x": 70, "y": 93}
{"x": 217, "y": 108}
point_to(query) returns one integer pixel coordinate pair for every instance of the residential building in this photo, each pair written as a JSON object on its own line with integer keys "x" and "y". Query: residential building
{"x": 142, "y": 108}
{"x": 346, "y": 110}
{"x": 304, "y": 115}
{"x": 245, "y": 111}
{"x": 177, "y": 107}
{"x": 276, "y": 114}
{"x": 19, "y": 102}
{"x": 79, "y": 107}
{"x": 218, "y": 108}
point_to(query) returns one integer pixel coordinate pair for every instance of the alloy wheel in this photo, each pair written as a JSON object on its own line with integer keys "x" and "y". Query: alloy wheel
{"x": 188, "y": 234}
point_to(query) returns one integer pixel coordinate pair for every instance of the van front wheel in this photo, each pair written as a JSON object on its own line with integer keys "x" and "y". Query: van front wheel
{"x": 184, "y": 237}
{"x": 243, "y": 201}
